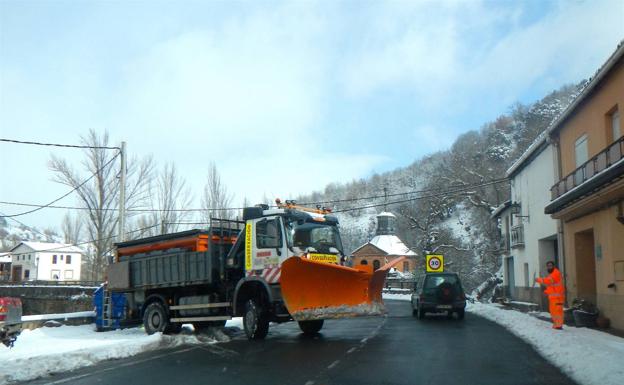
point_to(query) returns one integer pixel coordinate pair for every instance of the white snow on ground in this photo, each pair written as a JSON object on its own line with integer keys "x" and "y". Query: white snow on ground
{"x": 590, "y": 357}
{"x": 80, "y": 314}
{"x": 401, "y": 297}
{"x": 43, "y": 351}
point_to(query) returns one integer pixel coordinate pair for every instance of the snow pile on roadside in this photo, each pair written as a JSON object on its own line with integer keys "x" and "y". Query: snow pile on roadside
{"x": 588, "y": 356}
{"x": 400, "y": 297}
{"x": 65, "y": 316}
{"x": 43, "y": 351}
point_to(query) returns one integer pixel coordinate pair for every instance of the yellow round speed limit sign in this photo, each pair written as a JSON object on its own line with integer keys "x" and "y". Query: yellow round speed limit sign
{"x": 435, "y": 263}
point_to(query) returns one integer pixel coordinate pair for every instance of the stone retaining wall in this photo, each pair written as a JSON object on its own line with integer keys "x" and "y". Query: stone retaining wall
{"x": 51, "y": 299}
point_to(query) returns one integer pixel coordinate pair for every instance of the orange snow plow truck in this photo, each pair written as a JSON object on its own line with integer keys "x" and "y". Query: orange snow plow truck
{"x": 277, "y": 265}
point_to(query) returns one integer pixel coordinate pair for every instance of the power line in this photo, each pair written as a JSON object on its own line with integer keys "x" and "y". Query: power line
{"x": 58, "y": 145}
{"x": 28, "y": 227}
{"x": 403, "y": 193}
{"x": 440, "y": 190}
{"x": 116, "y": 209}
{"x": 63, "y": 196}
{"x": 447, "y": 193}
{"x": 79, "y": 243}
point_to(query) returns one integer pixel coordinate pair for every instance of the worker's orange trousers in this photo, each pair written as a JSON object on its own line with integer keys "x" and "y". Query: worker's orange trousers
{"x": 555, "y": 307}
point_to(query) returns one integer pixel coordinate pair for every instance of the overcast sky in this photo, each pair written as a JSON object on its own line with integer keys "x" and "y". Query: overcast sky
{"x": 285, "y": 97}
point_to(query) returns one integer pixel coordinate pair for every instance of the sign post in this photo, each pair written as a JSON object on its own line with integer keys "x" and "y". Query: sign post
{"x": 435, "y": 263}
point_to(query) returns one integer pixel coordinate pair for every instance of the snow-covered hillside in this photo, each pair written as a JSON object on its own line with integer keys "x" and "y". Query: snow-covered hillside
{"x": 11, "y": 233}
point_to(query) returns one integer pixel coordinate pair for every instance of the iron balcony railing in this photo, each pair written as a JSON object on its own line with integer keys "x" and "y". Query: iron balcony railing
{"x": 517, "y": 236}
{"x": 602, "y": 161}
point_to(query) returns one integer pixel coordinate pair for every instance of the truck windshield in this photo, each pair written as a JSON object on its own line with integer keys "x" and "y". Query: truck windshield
{"x": 318, "y": 236}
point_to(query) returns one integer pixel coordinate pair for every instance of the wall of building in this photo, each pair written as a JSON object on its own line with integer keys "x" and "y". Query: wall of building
{"x": 409, "y": 265}
{"x": 26, "y": 259}
{"x": 40, "y": 264}
{"x": 607, "y": 251}
{"x": 530, "y": 188}
{"x": 47, "y": 270}
{"x": 591, "y": 119}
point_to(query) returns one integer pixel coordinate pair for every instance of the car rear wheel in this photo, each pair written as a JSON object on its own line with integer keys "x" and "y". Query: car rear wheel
{"x": 420, "y": 313}
{"x": 460, "y": 314}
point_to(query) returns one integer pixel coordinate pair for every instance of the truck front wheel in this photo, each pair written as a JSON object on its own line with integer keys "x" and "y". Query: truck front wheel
{"x": 311, "y": 327}
{"x": 155, "y": 318}
{"x": 255, "y": 320}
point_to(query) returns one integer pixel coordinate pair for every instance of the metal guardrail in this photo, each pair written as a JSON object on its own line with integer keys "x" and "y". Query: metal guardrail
{"x": 600, "y": 162}
{"x": 51, "y": 283}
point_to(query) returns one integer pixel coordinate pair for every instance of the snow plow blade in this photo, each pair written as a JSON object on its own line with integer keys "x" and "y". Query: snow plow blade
{"x": 316, "y": 290}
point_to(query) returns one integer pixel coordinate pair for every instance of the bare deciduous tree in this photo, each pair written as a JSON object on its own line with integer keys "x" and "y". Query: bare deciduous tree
{"x": 71, "y": 228}
{"x": 216, "y": 198}
{"x": 169, "y": 195}
{"x": 100, "y": 195}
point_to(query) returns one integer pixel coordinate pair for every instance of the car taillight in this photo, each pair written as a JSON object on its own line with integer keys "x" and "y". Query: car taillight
{"x": 3, "y": 308}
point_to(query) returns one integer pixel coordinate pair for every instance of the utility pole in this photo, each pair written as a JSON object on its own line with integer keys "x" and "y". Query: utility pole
{"x": 122, "y": 192}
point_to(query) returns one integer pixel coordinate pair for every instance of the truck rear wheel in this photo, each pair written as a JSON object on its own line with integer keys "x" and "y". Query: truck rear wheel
{"x": 255, "y": 320}
{"x": 155, "y": 318}
{"x": 311, "y": 327}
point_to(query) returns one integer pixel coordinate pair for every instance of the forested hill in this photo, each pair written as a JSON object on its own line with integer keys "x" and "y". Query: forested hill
{"x": 456, "y": 223}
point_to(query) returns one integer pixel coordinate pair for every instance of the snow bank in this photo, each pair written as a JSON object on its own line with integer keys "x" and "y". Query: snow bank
{"x": 588, "y": 356}
{"x": 43, "y": 351}
{"x": 400, "y": 297}
{"x": 39, "y": 317}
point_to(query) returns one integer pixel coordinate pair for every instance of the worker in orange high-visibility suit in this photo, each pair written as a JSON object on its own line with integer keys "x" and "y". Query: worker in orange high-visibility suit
{"x": 555, "y": 292}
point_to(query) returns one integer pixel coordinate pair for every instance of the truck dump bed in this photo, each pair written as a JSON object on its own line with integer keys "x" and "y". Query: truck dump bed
{"x": 194, "y": 257}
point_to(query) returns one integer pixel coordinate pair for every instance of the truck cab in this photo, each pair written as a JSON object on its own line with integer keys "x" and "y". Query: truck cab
{"x": 270, "y": 237}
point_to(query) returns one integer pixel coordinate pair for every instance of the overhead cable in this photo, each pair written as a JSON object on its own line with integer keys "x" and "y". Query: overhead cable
{"x": 64, "y": 195}
{"x": 58, "y": 144}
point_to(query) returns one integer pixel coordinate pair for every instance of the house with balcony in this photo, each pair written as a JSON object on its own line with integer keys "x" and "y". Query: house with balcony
{"x": 529, "y": 236}
{"x": 588, "y": 196}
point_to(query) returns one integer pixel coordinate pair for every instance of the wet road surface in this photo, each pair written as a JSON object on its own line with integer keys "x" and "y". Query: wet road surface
{"x": 396, "y": 349}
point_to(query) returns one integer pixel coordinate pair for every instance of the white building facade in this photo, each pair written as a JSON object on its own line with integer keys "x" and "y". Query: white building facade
{"x": 45, "y": 262}
{"x": 530, "y": 236}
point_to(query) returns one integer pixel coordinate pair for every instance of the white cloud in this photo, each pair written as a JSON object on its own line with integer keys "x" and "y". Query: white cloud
{"x": 444, "y": 53}
{"x": 251, "y": 88}
{"x": 249, "y": 95}
{"x": 580, "y": 35}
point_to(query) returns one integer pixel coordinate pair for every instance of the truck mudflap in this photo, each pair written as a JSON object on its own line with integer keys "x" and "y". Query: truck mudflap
{"x": 315, "y": 290}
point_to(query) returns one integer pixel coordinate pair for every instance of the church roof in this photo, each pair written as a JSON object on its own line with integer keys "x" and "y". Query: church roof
{"x": 389, "y": 244}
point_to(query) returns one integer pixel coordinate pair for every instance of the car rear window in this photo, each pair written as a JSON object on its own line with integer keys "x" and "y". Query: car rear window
{"x": 436, "y": 280}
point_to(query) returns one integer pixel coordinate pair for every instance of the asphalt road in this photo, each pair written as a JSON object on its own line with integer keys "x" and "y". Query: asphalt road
{"x": 397, "y": 349}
